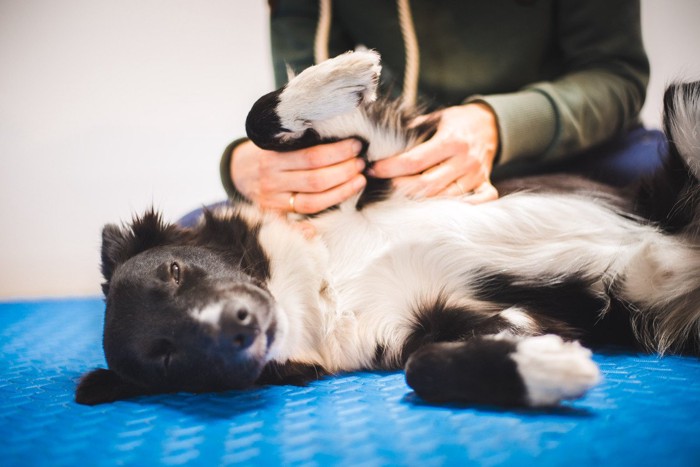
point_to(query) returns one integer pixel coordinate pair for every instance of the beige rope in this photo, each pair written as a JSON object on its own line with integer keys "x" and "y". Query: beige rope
{"x": 322, "y": 31}
{"x": 410, "y": 43}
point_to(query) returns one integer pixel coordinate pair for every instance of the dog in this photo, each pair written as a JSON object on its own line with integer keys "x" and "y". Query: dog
{"x": 496, "y": 303}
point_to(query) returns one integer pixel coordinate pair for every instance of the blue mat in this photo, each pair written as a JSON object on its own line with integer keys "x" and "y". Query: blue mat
{"x": 646, "y": 412}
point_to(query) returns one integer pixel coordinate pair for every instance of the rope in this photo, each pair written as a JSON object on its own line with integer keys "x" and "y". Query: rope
{"x": 322, "y": 31}
{"x": 410, "y": 42}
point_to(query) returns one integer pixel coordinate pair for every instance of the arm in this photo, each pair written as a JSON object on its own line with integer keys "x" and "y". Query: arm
{"x": 598, "y": 94}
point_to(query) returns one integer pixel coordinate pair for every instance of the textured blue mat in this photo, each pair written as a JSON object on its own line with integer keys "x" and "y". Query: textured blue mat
{"x": 647, "y": 412}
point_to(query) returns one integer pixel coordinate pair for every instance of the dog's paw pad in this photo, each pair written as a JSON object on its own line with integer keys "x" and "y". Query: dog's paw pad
{"x": 554, "y": 370}
{"x": 329, "y": 89}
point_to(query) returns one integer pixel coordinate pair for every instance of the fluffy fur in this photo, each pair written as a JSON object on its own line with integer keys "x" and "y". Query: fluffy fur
{"x": 480, "y": 304}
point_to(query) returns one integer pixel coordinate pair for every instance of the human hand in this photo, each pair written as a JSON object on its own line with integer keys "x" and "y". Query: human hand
{"x": 305, "y": 181}
{"x": 456, "y": 161}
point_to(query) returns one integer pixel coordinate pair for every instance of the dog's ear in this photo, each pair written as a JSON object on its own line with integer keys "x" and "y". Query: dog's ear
{"x": 114, "y": 241}
{"x": 101, "y": 386}
{"x": 120, "y": 244}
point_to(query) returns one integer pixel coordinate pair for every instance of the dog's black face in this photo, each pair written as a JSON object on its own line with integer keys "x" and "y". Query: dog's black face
{"x": 184, "y": 313}
{"x": 180, "y": 318}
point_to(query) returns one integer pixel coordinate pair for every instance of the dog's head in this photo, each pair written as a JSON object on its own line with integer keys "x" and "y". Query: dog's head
{"x": 186, "y": 309}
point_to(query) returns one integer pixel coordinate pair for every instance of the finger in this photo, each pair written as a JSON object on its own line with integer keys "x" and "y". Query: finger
{"x": 455, "y": 189}
{"x": 319, "y": 180}
{"x": 471, "y": 180}
{"x": 315, "y": 157}
{"x": 411, "y": 162}
{"x": 408, "y": 186}
{"x": 311, "y": 203}
{"x": 437, "y": 179}
{"x": 485, "y": 192}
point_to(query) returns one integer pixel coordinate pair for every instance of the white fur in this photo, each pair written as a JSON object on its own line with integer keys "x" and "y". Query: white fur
{"x": 338, "y": 300}
{"x": 298, "y": 283}
{"x": 520, "y": 320}
{"x": 386, "y": 140}
{"x": 554, "y": 370}
{"x": 210, "y": 314}
{"x": 331, "y": 88}
{"x": 329, "y": 98}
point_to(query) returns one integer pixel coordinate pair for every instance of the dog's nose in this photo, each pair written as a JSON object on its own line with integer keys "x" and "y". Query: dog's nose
{"x": 238, "y": 325}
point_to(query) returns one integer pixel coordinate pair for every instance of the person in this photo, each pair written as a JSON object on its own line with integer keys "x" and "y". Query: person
{"x": 517, "y": 83}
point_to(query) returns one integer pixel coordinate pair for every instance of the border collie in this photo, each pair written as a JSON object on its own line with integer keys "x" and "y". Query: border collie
{"x": 480, "y": 304}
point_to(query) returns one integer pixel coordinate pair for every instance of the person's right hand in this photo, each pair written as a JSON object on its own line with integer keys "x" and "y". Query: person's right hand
{"x": 305, "y": 181}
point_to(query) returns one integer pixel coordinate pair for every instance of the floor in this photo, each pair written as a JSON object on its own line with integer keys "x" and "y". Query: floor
{"x": 646, "y": 412}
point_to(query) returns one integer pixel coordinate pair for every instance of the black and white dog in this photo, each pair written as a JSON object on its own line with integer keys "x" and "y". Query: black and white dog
{"x": 481, "y": 303}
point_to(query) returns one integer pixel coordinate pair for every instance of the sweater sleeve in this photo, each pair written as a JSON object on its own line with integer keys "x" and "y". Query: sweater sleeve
{"x": 225, "y": 172}
{"x": 598, "y": 95}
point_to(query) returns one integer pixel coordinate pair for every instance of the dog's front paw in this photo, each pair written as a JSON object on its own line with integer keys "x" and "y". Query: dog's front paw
{"x": 554, "y": 370}
{"x": 331, "y": 88}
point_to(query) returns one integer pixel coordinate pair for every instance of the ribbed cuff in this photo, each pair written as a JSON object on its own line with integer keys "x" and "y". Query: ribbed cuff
{"x": 527, "y": 123}
{"x": 225, "y": 172}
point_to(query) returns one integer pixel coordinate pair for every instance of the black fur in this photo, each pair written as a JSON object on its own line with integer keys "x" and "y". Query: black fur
{"x": 438, "y": 322}
{"x": 477, "y": 371}
{"x": 292, "y": 373}
{"x": 565, "y": 306}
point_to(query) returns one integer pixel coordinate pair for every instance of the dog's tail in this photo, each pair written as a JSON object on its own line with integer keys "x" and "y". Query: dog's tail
{"x": 663, "y": 279}
{"x": 671, "y": 198}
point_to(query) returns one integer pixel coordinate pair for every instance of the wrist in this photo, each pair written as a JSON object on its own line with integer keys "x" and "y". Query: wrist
{"x": 226, "y": 169}
{"x": 488, "y": 121}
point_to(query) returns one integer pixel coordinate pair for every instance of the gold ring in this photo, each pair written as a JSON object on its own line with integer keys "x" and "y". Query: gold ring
{"x": 292, "y": 199}
{"x": 459, "y": 186}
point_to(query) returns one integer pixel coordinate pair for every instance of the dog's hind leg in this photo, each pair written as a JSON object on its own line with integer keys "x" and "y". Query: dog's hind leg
{"x": 507, "y": 371}
{"x": 288, "y": 118}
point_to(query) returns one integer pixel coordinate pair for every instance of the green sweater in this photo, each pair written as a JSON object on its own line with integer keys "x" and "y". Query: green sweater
{"x": 561, "y": 75}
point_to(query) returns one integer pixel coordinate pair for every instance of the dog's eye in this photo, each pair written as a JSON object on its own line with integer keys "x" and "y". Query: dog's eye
{"x": 175, "y": 272}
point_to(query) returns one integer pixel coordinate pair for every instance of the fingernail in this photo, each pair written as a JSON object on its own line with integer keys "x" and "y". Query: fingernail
{"x": 360, "y": 164}
{"x": 360, "y": 183}
{"x": 356, "y": 146}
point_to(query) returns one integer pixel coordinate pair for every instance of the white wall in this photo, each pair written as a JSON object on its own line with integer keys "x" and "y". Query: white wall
{"x": 109, "y": 107}
{"x": 672, "y": 40}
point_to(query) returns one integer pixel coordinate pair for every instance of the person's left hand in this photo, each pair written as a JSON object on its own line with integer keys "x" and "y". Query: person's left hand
{"x": 456, "y": 161}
